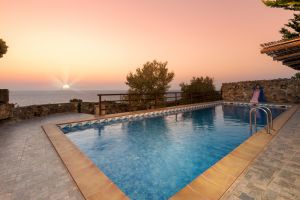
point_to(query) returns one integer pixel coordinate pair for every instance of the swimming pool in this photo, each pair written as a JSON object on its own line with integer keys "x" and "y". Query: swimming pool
{"x": 156, "y": 156}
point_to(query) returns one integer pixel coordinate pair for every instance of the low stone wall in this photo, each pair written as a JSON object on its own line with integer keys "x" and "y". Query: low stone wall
{"x": 276, "y": 91}
{"x": 4, "y": 96}
{"x": 5, "y": 107}
{"x": 6, "y": 111}
{"x": 88, "y": 107}
{"x": 28, "y": 112}
{"x": 113, "y": 107}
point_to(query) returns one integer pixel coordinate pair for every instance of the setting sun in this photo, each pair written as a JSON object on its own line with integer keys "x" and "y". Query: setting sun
{"x": 66, "y": 87}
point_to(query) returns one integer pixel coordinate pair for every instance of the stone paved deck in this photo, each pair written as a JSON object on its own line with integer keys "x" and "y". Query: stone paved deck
{"x": 31, "y": 169}
{"x": 29, "y": 166}
{"x": 275, "y": 173}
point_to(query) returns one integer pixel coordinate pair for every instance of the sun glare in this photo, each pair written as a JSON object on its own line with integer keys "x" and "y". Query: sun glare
{"x": 65, "y": 87}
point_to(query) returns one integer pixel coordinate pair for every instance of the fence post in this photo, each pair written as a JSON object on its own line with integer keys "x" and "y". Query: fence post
{"x": 176, "y": 98}
{"x": 155, "y": 100}
{"x": 100, "y": 105}
{"x": 191, "y": 98}
{"x": 129, "y": 102}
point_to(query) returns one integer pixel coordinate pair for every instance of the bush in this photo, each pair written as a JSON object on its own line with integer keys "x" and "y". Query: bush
{"x": 296, "y": 76}
{"x": 198, "y": 85}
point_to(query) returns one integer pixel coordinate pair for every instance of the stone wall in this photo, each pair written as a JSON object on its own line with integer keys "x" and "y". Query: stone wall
{"x": 5, "y": 107}
{"x": 27, "y": 112}
{"x": 88, "y": 107}
{"x": 4, "y": 96}
{"x": 276, "y": 91}
{"x": 6, "y": 111}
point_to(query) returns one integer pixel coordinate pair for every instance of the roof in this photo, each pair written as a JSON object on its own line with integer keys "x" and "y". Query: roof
{"x": 285, "y": 51}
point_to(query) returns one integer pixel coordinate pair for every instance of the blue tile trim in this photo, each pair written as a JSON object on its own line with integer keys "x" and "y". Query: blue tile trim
{"x": 66, "y": 128}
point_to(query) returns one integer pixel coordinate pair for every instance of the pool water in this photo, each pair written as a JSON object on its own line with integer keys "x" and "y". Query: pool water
{"x": 153, "y": 158}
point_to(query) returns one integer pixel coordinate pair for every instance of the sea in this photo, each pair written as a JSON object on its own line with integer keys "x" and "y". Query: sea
{"x": 34, "y": 97}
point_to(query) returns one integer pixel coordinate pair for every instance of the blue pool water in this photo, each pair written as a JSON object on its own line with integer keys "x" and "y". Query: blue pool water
{"x": 153, "y": 158}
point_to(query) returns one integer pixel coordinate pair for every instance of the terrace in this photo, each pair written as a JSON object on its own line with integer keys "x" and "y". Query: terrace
{"x": 32, "y": 168}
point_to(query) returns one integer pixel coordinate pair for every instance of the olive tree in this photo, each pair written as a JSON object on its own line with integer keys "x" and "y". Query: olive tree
{"x": 151, "y": 80}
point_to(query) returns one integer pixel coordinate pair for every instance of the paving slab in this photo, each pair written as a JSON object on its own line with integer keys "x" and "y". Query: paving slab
{"x": 29, "y": 166}
{"x": 275, "y": 173}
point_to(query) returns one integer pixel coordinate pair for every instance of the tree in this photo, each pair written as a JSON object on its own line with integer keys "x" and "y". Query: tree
{"x": 198, "y": 85}
{"x": 153, "y": 78}
{"x": 291, "y": 29}
{"x": 296, "y": 76}
{"x": 3, "y": 47}
{"x": 286, "y": 4}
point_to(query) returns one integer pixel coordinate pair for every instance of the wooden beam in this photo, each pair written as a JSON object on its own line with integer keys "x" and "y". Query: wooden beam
{"x": 289, "y": 63}
{"x": 281, "y": 47}
{"x": 284, "y": 52}
{"x": 280, "y": 42}
{"x": 296, "y": 67}
{"x": 288, "y": 56}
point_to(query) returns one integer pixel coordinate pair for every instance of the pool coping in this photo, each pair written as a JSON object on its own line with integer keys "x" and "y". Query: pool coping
{"x": 94, "y": 184}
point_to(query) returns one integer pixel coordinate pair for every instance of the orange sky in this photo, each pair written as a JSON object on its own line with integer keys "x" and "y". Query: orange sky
{"x": 94, "y": 44}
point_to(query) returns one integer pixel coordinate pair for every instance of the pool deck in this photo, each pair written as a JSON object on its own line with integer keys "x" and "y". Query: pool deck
{"x": 215, "y": 181}
{"x": 275, "y": 173}
{"x": 30, "y": 168}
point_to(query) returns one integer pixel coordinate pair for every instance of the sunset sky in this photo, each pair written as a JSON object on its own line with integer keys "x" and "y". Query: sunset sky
{"x": 94, "y": 44}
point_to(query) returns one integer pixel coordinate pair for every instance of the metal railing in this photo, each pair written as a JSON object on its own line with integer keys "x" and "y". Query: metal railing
{"x": 269, "y": 117}
{"x": 155, "y": 100}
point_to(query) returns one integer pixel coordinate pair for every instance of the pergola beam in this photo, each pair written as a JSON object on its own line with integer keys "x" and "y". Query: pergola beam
{"x": 286, "y": 51}
{"x": 288, "y": 56}
{"x": 291, "y": 63}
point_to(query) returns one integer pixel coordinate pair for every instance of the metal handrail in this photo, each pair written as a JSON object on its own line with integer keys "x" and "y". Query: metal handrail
{"x": 267, "y": 115}
{"x": 270, "y": 115}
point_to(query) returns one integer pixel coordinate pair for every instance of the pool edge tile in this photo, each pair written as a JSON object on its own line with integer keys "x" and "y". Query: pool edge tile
{"x": 92, "y": 183}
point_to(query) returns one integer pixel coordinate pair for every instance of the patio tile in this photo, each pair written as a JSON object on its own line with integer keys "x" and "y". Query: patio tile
{"x": 29, "y": 166}
{"x": 275, "y": 173}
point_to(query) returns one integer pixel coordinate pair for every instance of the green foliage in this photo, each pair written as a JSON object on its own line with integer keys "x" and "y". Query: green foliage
{"x": 296, "y": 76}
{"x": 286, "y": 4}
{"x": 198, "y": 85}
{"x": 153, "y": 78}
{"x": 291, "y": 29}
{"x": 3, "y": 47}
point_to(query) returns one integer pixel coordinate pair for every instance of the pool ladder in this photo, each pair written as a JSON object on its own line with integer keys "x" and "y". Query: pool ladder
{"x": 269, "y": 117}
